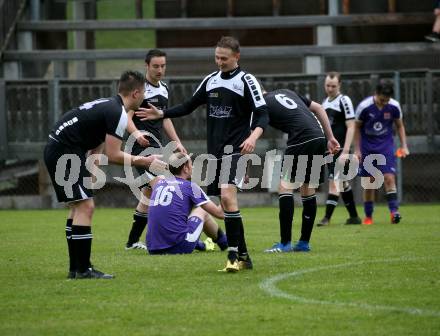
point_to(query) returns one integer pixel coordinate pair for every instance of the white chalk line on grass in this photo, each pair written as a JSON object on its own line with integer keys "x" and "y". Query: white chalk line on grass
{"x": 269, "y": 285}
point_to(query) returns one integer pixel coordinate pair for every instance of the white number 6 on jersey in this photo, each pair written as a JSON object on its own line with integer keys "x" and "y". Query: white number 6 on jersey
{"x": 286, "y": 101}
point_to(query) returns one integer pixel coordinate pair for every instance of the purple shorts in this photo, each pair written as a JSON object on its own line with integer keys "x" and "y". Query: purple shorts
{"x": 187, "y": 245}
{"x": 371, "y": 163}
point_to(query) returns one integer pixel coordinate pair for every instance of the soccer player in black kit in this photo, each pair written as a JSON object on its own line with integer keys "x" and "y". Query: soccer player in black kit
{"x": 148, "y": 133}
{"x": 340, "y": 112}
{"x": 233, "y": 101}
{"x": 309, "y": 134}
{"x": 83, "y": 129}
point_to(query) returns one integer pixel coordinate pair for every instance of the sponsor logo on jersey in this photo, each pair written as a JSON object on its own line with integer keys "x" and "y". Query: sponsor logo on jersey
{"x": 153, "y": 100}
{"x": 377, "y": 126}
{"x": 220, "y": 111}
{"x": 237, "y": 87}
{"x": 213, "y": 95}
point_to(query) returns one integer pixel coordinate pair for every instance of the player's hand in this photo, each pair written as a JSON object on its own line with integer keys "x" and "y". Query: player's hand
{"x": 141, "y": 138}
{"x": 402, "y": 152}
{"x": 248, "y": 146}
{"x": 344, "y": 157}
{"x": 333, "y": 146}
{"x": 150, "y": 113}
{"x": 156, "y": 165}
{"x": 180, "y": 148}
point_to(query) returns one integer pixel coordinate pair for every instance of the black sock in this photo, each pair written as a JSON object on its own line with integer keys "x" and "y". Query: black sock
{"x": 82, "y": 246}
{"x": 308, "y": 217}
{"x": 332, "y": 202}
{"x": 233, "y": 225}
{"x": 348, "y": 198}
{"x": 140, "y": 220}
{"x": 285, "y": 216}
{"x": 242, "y": 248}
{"x": 72, "y": 266}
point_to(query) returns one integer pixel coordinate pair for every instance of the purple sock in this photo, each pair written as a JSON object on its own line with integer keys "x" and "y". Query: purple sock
{"x": 222, "y": 241}
{"x": 368, "y": 209}
{"x": 200, "y": 246}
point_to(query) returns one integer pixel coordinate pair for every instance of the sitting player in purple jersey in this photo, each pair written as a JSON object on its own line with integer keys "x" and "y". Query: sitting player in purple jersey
{"x": 375, "y": 117}
{"x": 174, "y": 226}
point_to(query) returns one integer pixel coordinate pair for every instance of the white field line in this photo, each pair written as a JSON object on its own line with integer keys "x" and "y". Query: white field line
{"x": 269, "y": 285}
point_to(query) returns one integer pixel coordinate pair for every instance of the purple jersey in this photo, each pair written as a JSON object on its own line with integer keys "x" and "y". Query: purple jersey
{"x": 170, "y": 205}
{"x": 377, "y": 126}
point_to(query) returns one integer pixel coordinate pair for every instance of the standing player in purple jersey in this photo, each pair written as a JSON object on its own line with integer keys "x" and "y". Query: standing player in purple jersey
{"x": 174, "y": 226}
{"x": 375, "y": 117}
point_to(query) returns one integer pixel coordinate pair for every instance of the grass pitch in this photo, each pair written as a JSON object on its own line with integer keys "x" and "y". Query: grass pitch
{"x": 378, "y": 280}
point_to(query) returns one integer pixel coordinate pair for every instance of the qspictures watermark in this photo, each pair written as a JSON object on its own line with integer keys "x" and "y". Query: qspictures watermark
{"x": 205, "y": 169}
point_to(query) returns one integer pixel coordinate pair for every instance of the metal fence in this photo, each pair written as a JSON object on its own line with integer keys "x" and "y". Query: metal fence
{"x": 30, "y": 107}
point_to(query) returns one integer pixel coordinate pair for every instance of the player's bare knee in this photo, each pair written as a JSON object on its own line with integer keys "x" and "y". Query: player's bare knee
{"x": 199, "y": 212}
{"x": 390, "y": 181}
{"x": 229, "y": 203}
{"x": 285, "y": 187}
{"x": 306, "y": 190}
{"x": 86, "y": 208}
{"x": 332, "y": 187}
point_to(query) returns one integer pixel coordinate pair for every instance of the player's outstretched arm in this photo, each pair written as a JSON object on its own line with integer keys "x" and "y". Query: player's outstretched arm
{"x": 150, "y": 113}
{"x": 213, "y": 209}
{"x": 117, "y": 156}
{"x": 153, "y": 113}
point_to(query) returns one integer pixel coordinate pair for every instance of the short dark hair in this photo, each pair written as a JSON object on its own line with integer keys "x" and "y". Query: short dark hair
{"x": 334, "y": 74}
{"x": 385, "y": 88}
{"x": 154, "y": 53}
{"x": 129, "y": 81}
{"x": 229, "y": 42}
{"x": 177, "y": 161}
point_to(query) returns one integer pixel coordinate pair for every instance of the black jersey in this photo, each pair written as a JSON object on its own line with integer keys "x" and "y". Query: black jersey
{"x": 157, "y": 96}
{"x": 231, "y": 99}
{"x": 339, "y": 110}
{"x": 289, "y": 113}
{"x": 86, "y": 126}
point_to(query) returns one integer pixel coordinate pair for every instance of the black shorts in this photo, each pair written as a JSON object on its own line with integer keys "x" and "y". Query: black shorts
{"x": 304, "y": 163}
{"x": 227, "y": 172}
{"x": 146, "y": 174}
{"x": 331, "y": 166}
{"x": 69, "y": 181}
